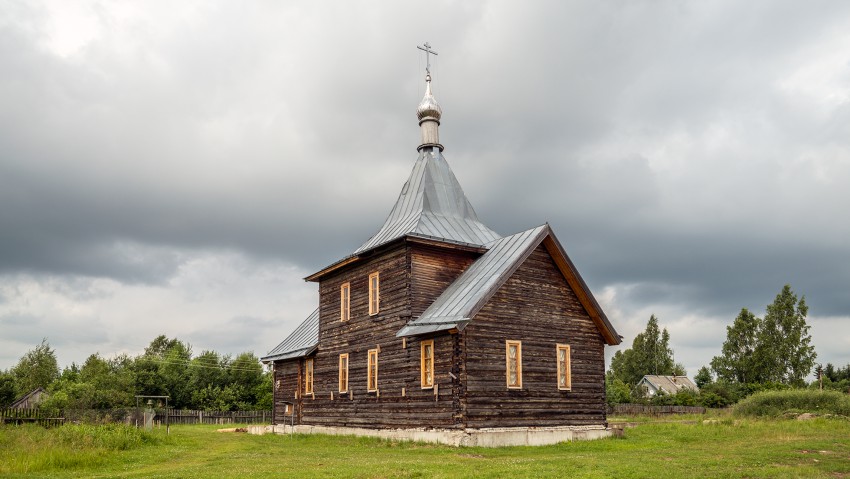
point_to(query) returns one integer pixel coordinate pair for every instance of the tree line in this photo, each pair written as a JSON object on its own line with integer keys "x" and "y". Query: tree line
{"x": 771, "y": 352}
{"x": 208, "y": 381}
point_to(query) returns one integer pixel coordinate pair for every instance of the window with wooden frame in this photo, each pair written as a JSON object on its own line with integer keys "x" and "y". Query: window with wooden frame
{"x": 343, "y": 373}
{"x": 374, "y": 293}
{"x": 372, "y": 373}
{"x": 345, "y": 302}
{"x": 513, "y": 367}
{"x": 308, "y": 376}
{"x": 427, "y": 364}
{"x": 564, "y": 373}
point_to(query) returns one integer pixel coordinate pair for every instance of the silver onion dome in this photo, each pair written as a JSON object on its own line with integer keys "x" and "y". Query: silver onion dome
{"x": 428, "y": 107}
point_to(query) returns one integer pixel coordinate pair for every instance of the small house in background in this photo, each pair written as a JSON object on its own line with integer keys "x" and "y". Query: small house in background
{"x": 670, "y": 385}
{"x": 31, "y": 399}
{"x": 439, "y": 329}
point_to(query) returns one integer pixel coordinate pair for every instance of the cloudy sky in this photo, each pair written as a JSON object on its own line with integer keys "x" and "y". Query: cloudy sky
{"x": 178, "y": 168}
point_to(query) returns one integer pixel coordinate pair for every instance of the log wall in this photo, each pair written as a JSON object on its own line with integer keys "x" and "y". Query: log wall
{"x": 411, "y": 277}
{"x": 287, "y": 375}
{"x": 535, "y": 306}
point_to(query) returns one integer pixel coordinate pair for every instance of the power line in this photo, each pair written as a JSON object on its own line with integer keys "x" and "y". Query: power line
{"x": 191, "y": 363}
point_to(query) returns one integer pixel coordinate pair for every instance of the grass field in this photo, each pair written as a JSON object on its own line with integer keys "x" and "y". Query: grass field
{"x": 729, "y": 447}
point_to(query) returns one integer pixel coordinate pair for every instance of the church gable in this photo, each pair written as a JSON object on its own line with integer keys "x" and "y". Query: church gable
{"x": 537, "y": 310}
{"x": 464, "y": 298}
{"x": 432, "y": 270}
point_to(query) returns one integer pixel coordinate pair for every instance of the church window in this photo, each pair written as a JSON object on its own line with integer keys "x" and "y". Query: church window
{"x": 513, "y": 356}
{"x": 343, "y": 373}
{"x": 564, "y": 373}
{"x": 372, "y": 380}
{"x": 308, "y": 376}
{"x": 345, "y": 302}
{"x": 427, "y": 364}
{"x": 374, "y": 293}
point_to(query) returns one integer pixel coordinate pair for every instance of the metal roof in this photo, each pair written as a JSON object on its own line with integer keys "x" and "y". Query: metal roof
{"x": 432, "y": 203}
{"x": 301, "y": 342}
{"x": 669, "y": 384}
{"x": 471, "y": 290}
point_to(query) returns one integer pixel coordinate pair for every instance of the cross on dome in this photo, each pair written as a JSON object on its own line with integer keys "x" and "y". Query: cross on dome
{"x": 427, "y": 49}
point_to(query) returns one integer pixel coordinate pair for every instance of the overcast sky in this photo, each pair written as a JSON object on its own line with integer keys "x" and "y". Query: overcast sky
{"x": 178, "y": 167}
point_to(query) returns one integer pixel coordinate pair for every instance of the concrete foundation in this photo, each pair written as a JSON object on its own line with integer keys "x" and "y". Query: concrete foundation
{"x": 490, "y": 437}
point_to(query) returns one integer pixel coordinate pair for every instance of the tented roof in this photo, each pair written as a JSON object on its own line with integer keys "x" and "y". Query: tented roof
{"x": 432, "y": 204}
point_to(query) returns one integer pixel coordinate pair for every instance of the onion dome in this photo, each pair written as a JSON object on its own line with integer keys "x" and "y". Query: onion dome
{"x": 428, "y": 108}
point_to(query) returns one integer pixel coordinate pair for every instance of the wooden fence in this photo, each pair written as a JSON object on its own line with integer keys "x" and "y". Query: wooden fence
{"x": 646, "y": 410}
{"x": 131, "y": 416}
{"x": 44, "y": 417}
{"x": 188, "y": 416}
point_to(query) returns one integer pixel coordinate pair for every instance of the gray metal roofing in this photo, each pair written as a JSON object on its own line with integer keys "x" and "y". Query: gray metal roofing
{"x": 301, "y": 342}
{"x": 670, "y": 384}
{"x": 432, "y": 203}
{"x": 455, "y": 307}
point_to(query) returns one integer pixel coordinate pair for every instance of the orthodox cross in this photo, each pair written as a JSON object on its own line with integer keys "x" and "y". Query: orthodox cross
{"x": 427, "y": 49}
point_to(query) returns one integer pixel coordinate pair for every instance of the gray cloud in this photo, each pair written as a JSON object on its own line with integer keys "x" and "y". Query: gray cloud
{"x": 691, "y": 157}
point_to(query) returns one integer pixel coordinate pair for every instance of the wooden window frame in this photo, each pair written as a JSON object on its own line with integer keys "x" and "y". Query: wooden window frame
{"x": 423, "y": 361}
{"x": 566, "y": 369}
{"x": 518, "y": 344}
{"x": 345, "y": 301}
{"x": 343, "y": 378}
{"x": 375, "y": 294}
{"x": 372, "y": 377}
{"x": 308, "y": 376}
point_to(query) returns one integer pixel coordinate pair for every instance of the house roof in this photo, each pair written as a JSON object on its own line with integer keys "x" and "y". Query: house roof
{"x": 465, "y": 297}
{"x": 432, "y": 204}
{"x": 26, "y": 397}
{"x": 670, "y": 384}
{"x": 301, "y": 342}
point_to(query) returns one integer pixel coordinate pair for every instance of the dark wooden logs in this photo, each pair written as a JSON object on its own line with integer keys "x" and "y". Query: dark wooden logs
{"x": 535, "y": 306}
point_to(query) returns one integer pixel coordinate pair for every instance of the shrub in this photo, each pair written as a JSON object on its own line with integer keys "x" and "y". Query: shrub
{"x": 617, "y": 392}
{"x": 776, "y": 403}
{"x": 709, "y": 399}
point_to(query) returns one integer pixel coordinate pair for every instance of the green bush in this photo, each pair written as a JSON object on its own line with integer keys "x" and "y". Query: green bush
{"x": 777, "y": 403}
{"x": 617, "y": 392}
{"x": 709, "y": 399}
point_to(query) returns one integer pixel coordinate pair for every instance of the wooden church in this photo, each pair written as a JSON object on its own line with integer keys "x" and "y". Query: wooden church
{"x": 438, "y": 323}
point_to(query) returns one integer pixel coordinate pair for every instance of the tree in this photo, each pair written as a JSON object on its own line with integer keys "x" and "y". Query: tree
{"x": 159, "y": 347}
{"x": 650, "y": 354}
{"x": 164, "y": 370}
{"x": 836, "y": 374}
{"x": 37, "y": 368}
{"x": 246, "y": 371}
{"x": 784, "y": 352}
{"x": 208, "y": 369}
{"x": 737, "y": 362}
{"x": 703, "y": 377}
{"x": 7, "y": 389}
{"x": 617, "y": 392}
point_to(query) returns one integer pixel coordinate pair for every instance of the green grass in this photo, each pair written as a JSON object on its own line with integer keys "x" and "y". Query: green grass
{"x": 793, "y": 402}
{"x": 726, "y": 447}
{"x": 31, "y": 448}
